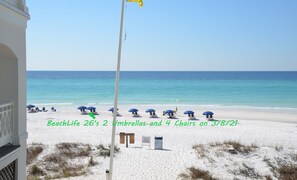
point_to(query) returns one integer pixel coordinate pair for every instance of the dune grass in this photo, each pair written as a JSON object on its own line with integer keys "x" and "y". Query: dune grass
{"x": 282, "y": 165}
{"x": 105, "y": 150}
{"x": 33, "y": 151}
{"x": 195, "y": 173}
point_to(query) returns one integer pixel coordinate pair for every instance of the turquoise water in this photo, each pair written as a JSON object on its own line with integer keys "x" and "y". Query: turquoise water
{"x": 260, "y": 89}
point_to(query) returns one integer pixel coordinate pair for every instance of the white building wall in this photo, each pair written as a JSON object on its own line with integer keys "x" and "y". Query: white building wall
{"x": 13, "y": 24}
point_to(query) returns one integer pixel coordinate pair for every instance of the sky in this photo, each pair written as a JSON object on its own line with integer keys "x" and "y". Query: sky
{"x": 193, "y": 35}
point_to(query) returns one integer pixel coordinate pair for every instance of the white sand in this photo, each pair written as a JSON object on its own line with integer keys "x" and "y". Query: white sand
{"x": 264, "y": 127}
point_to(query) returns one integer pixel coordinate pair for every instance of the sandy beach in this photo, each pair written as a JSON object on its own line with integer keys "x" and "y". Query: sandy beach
{"x": 266, "y": 128}
{"x": 63, "y": 66}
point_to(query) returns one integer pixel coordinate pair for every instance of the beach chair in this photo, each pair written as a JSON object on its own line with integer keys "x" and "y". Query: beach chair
{"x": 210, "y": 119}
{"x": 83, "y": 112}
{"x": 32, "y": 111}
{"x": 37, "y": 109}
{"x": 153, "y": 115}
{"x": 44, "y": 110}
{"x": 192, "y": 117}
{"x": 136, "y": 114}
{"x": 171, "y": 116}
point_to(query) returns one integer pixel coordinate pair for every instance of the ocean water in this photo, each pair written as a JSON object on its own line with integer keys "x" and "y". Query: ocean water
{"x": 252, "y": 89}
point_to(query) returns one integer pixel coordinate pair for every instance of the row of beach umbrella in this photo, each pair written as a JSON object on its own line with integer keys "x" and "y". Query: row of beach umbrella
{"x": 151, "y": 111}
{"x": 134, "y": 111}
{"x": 34, "y": 108}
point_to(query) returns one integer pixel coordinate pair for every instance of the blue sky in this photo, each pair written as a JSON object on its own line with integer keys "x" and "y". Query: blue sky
{"x": 194, "y": 35}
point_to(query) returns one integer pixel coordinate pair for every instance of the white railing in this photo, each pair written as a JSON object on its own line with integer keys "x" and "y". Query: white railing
{"x": 6, "y": 123}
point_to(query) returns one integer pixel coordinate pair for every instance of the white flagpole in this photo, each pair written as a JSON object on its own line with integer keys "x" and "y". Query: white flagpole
{"x": 115, "y": 107}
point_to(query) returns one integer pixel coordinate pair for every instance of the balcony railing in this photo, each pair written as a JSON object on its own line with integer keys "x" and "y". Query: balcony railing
{"x": 6, "y": 123}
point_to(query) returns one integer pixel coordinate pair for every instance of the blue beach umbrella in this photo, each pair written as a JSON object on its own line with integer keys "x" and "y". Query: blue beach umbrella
{"x": 111, "y": 109}
{"x": 30, "y": 106}
{"x": 150, "y": 111}
{"x": 208, "y": 113}
{"x": 189, "y": 112}
{"x": 82, "y": 108}
{"x": 133, "y": 110}
{"x": 169, "y": 112}
{"x": 91, "y": 108}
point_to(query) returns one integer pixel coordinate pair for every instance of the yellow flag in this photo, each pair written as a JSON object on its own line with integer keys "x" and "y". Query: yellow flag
{"x": 140, "y": 3}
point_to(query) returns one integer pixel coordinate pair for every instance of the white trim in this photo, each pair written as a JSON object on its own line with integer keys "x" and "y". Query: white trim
{"x": 15, "y": 9}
